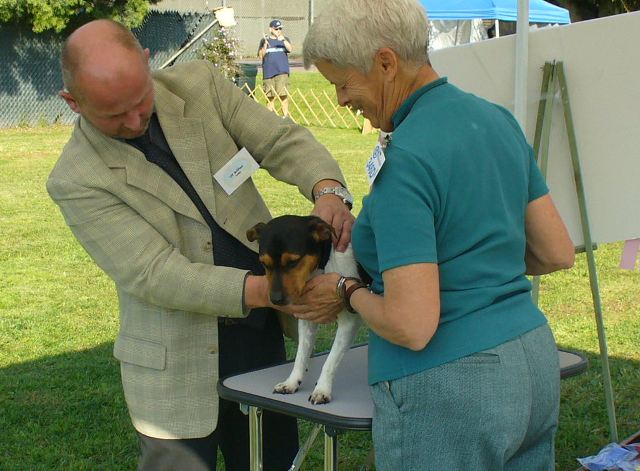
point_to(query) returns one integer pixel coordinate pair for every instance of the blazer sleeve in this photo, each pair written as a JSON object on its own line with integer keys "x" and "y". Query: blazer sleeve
{"x": 139, "y": 259}
{"x": 289, "y": 152}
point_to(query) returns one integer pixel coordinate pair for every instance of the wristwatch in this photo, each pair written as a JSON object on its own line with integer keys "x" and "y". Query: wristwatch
{"x": 340, "y": 191}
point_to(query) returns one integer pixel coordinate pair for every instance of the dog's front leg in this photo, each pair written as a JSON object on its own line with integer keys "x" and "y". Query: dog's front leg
{"x": 347, "y": 329}
{"x": 306, "y": 341}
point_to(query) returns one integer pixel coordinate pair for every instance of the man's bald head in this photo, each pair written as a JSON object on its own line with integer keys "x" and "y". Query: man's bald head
{"x": 98, "y": 50}
{"x": 108, "y": 80}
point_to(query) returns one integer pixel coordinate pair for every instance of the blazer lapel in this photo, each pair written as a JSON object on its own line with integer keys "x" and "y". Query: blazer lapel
{"x": 187, "y": 141}
{"x": 141, "y": 173}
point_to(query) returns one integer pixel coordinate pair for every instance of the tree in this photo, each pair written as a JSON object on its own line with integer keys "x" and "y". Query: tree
{"x": 61, "y": 15}
{"x": 589, "y": 9}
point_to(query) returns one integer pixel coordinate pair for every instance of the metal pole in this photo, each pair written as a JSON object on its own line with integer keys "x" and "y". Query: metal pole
{"x": 312, "y": 12}
{"x": 255, "y": 438}
{"x": 521, "y": 64}
{"x": 586, "y": 232}
{"x": 330, "y": 449}
{"x": 189, "y": 44}
{"x": 304, "y": 449}
{"x": 262, "y": 14}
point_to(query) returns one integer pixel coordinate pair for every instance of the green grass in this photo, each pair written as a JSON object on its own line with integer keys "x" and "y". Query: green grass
{"x": 61, "y": 403}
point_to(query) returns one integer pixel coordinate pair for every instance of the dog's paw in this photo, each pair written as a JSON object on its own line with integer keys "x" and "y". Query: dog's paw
{"x": 286, "y": 387}
{"x": 320, "y": 396}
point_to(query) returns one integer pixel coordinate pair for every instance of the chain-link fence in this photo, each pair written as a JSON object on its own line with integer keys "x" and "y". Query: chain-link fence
{"x": 30, "y": 74}
{"x": 253, "y": 17}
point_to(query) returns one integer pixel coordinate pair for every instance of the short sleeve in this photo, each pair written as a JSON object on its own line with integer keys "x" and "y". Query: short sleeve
{"x": 403, "y": 214}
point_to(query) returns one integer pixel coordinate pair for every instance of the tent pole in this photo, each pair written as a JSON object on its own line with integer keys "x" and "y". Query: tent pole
{"x": 521, "y": 64}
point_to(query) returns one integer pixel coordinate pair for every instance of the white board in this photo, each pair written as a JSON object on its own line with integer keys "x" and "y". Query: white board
{"x": 602, "y": 66}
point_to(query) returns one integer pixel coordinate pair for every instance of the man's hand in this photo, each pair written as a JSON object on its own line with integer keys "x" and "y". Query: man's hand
{"x": 332, "y": 209}
{"x": 319, "y": 302}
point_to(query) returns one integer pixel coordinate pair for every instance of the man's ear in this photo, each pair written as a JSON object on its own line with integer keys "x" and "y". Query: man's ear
{"x": 387, "y": 61}
{"x": 73, "y": 104}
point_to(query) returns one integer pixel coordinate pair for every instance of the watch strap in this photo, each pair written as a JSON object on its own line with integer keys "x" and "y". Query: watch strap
{"x": 340, "y": 191}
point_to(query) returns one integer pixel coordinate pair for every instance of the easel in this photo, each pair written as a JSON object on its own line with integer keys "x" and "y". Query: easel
{"x": 554, "y": 79}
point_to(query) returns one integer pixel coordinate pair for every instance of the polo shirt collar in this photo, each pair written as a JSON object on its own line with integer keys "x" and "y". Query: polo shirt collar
{"x": 406, "y": 106}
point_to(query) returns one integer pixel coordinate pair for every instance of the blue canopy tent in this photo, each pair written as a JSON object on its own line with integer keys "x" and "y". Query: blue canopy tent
{"x": 505, "y": 10}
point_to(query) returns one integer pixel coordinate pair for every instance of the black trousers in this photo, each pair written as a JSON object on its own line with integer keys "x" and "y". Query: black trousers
{"x": 242, "y": 349}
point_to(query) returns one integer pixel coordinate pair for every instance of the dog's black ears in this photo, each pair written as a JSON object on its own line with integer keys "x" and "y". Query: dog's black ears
{"x": 321, "y": 230}
{"x": 253, "y": 234}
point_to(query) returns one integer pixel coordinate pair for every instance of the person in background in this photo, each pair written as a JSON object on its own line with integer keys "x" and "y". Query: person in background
{"x": 137, "y": 186}
{"x": 463, "y": 367}
{"x": 274, "y": 51}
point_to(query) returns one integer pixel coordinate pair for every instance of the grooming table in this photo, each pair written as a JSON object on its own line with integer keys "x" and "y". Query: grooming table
{"x": 351, "y": 407}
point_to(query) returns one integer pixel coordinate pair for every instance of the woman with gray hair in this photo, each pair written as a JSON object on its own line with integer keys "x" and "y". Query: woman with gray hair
{"x": 463, "y": 367}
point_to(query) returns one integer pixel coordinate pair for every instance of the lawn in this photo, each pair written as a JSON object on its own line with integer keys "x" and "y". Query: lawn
{"x": 61, "y": 404}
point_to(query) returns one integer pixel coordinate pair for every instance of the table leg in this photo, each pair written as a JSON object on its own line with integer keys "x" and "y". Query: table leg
{"x": 304, "y": 449}
{"x": 255, "y": 438}
{"x": 330, "y": 449}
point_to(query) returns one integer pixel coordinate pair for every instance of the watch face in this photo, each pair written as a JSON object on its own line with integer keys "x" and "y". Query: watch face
{"x": 346, "y": 195}
{"x": 338, "y": 191}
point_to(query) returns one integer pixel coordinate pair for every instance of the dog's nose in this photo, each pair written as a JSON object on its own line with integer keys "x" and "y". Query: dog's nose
{"x": 278, "y": 298}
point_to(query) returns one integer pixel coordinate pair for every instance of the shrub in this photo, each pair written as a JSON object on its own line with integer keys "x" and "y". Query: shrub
{"x": 222, "y": 50}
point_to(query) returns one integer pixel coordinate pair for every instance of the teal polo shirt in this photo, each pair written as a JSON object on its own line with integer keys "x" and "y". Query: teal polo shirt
{"x": 453, "y": 190}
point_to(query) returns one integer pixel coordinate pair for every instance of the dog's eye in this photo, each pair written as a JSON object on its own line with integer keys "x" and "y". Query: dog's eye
{"x": 266, "y": 261}
{"x": 292, "y": 263}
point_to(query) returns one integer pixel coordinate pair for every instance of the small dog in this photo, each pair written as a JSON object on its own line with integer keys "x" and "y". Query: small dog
{"x": 293, "y": 249}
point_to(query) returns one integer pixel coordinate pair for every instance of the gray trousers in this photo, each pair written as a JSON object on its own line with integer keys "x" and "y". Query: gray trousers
{"x": 492, "y": 411}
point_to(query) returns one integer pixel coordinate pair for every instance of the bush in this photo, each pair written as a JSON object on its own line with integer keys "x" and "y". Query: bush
{"x": 222, "y": 50}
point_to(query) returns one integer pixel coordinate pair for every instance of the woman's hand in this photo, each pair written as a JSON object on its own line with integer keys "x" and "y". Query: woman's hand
{"x": 319, "y": 302}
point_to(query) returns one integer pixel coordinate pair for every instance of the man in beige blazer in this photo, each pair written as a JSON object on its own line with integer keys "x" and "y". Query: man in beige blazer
{"x": 178, "y": 308}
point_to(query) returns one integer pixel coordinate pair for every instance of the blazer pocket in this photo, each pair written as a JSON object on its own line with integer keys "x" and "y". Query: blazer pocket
{"x": 140, "y": 352}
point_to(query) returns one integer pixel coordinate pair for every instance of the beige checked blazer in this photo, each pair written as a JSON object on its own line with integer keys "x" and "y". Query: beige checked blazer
{"x": 146, "y": 234}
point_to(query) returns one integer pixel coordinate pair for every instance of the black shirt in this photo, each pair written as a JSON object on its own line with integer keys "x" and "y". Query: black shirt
{"x": 227, "y": 250}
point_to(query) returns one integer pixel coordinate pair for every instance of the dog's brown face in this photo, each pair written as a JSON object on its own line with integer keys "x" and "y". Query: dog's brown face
{"x": 291, "y": 249}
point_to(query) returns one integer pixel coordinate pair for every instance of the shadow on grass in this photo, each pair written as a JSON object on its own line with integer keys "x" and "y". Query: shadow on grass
{"x": 584, "y": 423}
{"x": 67, "y": 412}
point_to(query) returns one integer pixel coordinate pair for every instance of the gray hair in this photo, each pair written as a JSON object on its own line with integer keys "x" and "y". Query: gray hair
{"x": 350, "y": 32}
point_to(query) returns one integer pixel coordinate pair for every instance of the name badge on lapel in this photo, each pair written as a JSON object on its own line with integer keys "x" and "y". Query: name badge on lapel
{"x": 236, "y": 171}
{"x": 374, "y": 164}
